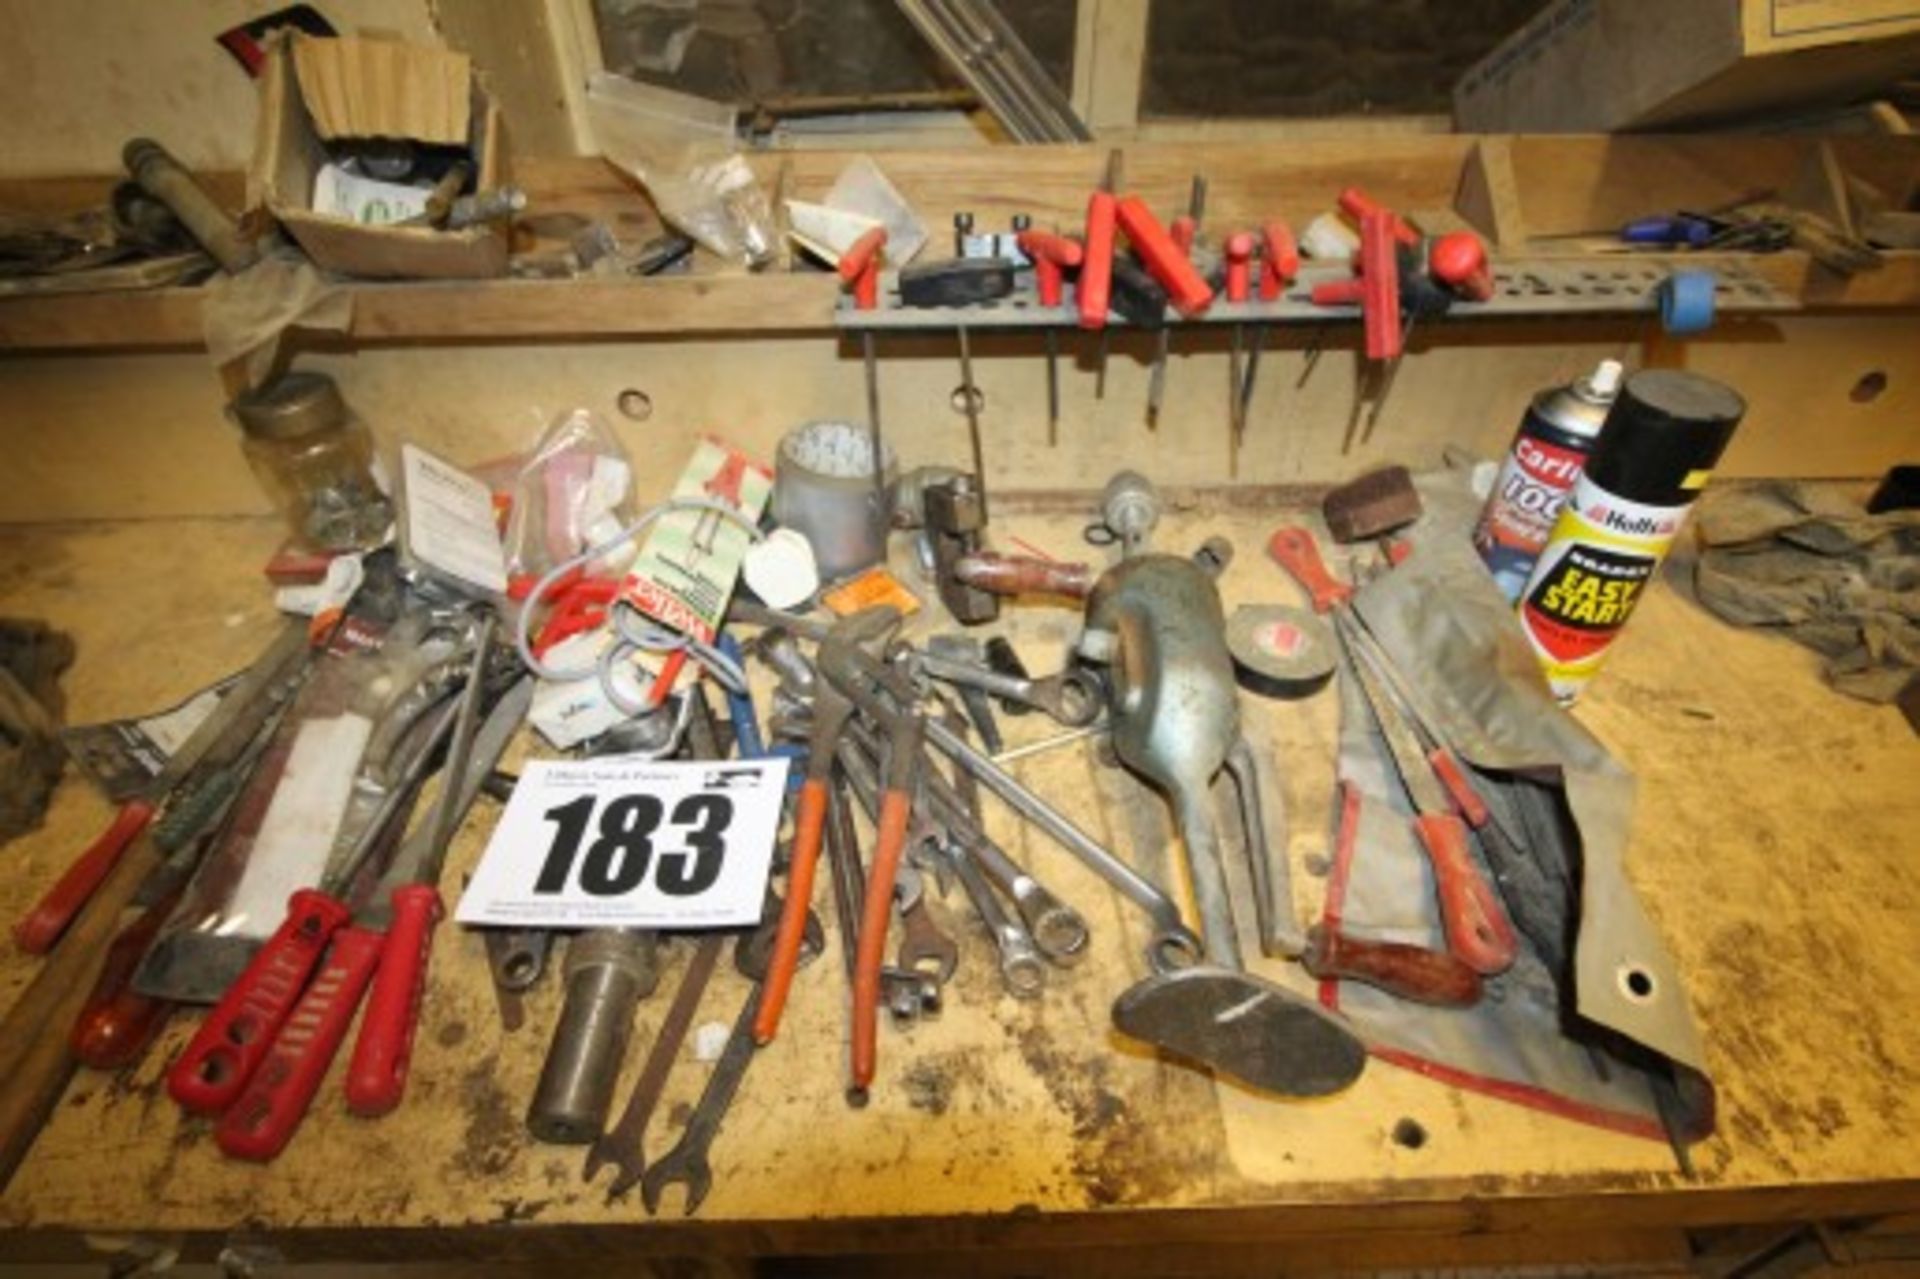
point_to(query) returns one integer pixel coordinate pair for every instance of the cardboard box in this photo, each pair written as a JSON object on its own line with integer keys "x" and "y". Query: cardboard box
{"x": 313, "y": 90}
{"x": 1589, "y": 66}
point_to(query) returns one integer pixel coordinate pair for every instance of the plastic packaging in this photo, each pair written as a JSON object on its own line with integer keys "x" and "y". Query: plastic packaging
{"x": 318, "y": 782}
{"x": 573, "y": 490}
{"x": 682, "y": 149}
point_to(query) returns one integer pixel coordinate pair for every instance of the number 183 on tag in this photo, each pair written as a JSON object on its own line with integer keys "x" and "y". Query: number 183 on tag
{"x": 631, "y": 843}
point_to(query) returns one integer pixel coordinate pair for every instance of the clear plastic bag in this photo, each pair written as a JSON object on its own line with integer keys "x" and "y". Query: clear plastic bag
{"x": 682, "y": 149}
{"x": 573, "y": 490}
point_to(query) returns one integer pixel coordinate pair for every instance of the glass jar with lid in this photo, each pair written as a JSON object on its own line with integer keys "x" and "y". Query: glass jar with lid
{"x": 315, "y": 458}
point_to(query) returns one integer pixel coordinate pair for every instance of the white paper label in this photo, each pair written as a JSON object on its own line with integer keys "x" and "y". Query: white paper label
{"x": 450, "y": 521}
{"x": 631, "y": 843}
{"x": 367, "y": 200}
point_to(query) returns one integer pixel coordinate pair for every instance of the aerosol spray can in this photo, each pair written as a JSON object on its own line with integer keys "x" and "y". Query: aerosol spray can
{"x": 1659, "y": 446}
{"x": 1549, "y": 451}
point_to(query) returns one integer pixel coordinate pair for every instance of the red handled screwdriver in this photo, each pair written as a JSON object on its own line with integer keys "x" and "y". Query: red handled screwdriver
{"x": 388, "y": 946}
{"x": 1051, "y": 256}
{"x": 1095, "y": 289}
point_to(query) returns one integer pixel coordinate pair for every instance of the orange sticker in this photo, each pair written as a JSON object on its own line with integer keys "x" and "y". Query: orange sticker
{"x": 866, "y": 590}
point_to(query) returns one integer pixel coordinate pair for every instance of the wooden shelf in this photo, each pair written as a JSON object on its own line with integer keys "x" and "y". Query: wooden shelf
{"x": 1512, "y": 189}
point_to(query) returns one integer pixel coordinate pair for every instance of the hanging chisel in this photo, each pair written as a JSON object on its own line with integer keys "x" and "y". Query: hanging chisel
{"x": 1239, "y": 279}
{"x": 859, "y": 268}
{"x": 1051, "y": 255}
{"x": 1185, "y": 232}
{"x": 1279, "y": 264}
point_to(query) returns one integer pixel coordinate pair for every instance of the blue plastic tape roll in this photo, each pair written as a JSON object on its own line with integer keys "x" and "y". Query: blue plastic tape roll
{"x": 1686, "y": 302}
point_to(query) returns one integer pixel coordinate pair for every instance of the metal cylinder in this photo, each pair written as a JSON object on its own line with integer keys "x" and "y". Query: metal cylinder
{"x": 608, "y": 972}
{"x": 824, "y": 488}
{"x": 173, "y": 184}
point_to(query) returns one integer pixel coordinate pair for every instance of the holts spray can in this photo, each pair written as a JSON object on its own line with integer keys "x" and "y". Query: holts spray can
{"x": 1549, "y": 451}
{"x": 1659, "y": 446}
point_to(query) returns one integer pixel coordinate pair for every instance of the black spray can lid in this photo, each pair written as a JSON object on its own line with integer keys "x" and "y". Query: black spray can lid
{"x": 1665, "y": 434}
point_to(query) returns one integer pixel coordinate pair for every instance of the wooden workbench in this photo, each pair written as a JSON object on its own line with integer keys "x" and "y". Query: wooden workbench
{"x": 1773, "y": 847}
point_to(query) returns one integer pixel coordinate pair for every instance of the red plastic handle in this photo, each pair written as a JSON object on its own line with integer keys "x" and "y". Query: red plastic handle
{"x": 1447, "y": 768}
{"x": 1164, "y": 261}
{"x": 1294, "y": 549}
{"x": 1339, "y": 293}
{"x": 1050, "y": 254}
{"x": 1459, "y": 260}
{"x": 1478, "y": 930}
{"x": 1409, "y": 972}
{"x": 42, "y": 926}
{"x": 1182, "y": 231}
{"x": 1239, "y": 266}
{"x": 860, "y": 267}
{"x": 1279, "y": 259}
{"x": 209, "y": 1076}
{"x": 809, "y": 822}
{"x": 1358, "y": 205}
{"x": 1095, "y": 289}
{"x": 115, "y": 1025}
{"x": 1380, "y": 283}
{"x": 260, "y": 1124}
{"x": 377, "y": 1075}
{"x": 896, "y": 807}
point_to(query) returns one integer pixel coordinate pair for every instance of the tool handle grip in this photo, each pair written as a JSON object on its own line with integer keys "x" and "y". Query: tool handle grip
{"x": 1358, "y": 205}
{"x": 859, "y": 266}
{"x": 809, "y": 823}
{"x": 1478, "y": 930}
{"x": 42, "y": 926}
{"x": 1279, "y": 259}
{"x": 1239, "y": 266}
{"x": 1338, "y": 293}
{"x": 377, "y": 1074}
{"x": 1045, "y": 246}
{"x": 1182, "y": 231}
{"x": 1293, "y": 548}
{"x": 1460, "y": 789}
{"x": 1163, "y": 259}
{"x": 896, "y": 807}
{"x": 1095, "y": 289}
{"x": 223, "y": 1054}
{"x": 1409, "y": 972}
{"x": 259, "y": 1125}
{"x": 1023, "y": 575}
{"x": 1380, "y": 286}
{"x": 116, "y": 1024}
{"x": 1459, "y": 260}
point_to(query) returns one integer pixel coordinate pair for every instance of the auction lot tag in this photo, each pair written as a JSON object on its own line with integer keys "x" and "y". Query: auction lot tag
{"x": 631, "y": 843}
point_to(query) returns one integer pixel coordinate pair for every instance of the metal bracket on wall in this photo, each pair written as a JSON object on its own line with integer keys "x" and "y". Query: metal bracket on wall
{"x": 1554, "y": 286}
{"x": 976, "y": 42}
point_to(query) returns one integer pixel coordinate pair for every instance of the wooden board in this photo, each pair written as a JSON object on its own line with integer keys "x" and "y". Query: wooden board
{"x": 1769, "y": 846}
{"x": 1559, "y": 185}
{"x": 160, "y": 417}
